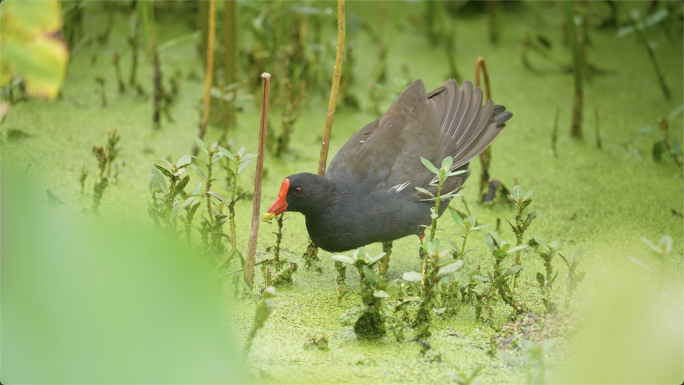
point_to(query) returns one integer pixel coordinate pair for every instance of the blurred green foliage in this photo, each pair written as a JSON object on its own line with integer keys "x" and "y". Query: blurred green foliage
{"x": 28, "y": 45}
{"x": 89, "y": 302}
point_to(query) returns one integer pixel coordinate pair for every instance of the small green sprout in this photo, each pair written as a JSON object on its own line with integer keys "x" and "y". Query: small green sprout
{"x": 264, "y": 309}
{"x": 466, "y": 379}
{"x": 168, "y": 199}
{"x": 546, "y": 253}
{"x": 661, "y": 251}
{"x": 468, "y": 225}
{"x": 521, "y": 202}
{"x": 496, "y": 282}
{"x": 573, "y": 279}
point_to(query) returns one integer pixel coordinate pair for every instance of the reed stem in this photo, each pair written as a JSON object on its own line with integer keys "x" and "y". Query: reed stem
{"x": 256, "y": 201}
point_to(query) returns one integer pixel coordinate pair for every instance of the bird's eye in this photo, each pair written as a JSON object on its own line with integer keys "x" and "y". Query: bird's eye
{"x": 298, "y": 190}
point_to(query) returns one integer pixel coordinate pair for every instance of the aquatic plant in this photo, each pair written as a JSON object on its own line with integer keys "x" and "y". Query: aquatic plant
{"x": 497, "y": 281}
{"x": 466, "y": 378}
{"x": 263, "y": 310}
{"x": 103, "y": 97}
{"x": 320, "y": 343}
{"x": 467, "y": 225}
{"x": 371, "y": 322}
{"x": 112, "y": 151}
{"x": 545, "y": 281}
{"x": 640, "y": 26}
{"x": 661, "y": 251}
{"x": 211, "y": 229}
{"x": 573, "y": 279}
{"x": 577, "y": 70}
{"x": 116, "y": 59}
{"x": 169, "y": 199}
{"x": 101, "y": 182}
{"x": 82, "y": 179}
{"x": 538, "y": 371}
{"x": 521, "y": 202}
{"x": 432, "y": 268}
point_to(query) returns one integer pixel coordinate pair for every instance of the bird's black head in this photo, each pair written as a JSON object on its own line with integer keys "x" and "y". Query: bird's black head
{"x": 306, "y": 193}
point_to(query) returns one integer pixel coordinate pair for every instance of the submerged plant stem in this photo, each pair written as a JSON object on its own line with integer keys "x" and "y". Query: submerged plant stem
{"x": 576, "y": 128}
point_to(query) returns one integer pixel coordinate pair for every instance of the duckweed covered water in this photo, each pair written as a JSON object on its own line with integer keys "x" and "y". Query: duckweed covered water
{"x": 602, "y": 200}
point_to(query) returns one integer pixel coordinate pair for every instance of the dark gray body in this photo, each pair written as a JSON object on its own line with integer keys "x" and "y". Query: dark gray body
{"x": 369, "y": 192}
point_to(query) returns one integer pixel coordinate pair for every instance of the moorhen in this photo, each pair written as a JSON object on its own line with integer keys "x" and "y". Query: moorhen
{"x": 368, "y": 194}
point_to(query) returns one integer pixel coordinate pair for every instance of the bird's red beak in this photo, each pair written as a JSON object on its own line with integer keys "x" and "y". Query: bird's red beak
{"x": 280, "y": 204}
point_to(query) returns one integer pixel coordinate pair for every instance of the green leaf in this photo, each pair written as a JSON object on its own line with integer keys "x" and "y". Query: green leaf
{"x": 343, "y": 258}
{"x": 513, "y": 250}
{"x": 412, "y": 276}
{"x": 197, "y": 189}
{"x": 676, "y": 147}
{"x": 218, "y": 196}
{"x": 216, "y": 157}
{"x": 381, "y": 294}
{"x": 243, "y": 165}
{"x": 429, "y": 165}
{"x": 529, "y": 218}
{"x": 167, "y": 163}
{"x": 202, "y": 145}
{"x": 199, "y": 172}
{"x": 659, "y": 148}
{"x": 541, "y": 242}
{"x": 513, "y": 270}
{"x": 447, "y": 163}
{"x": 498, "y": 253}
{"x": 541, "y": 280}
{"x": 424, "y": 191}
{"x": 227, "y": 154}
{"x": 480, "y": 227}
{"x": 517, "y": 193}
{"x": 187, "y": 202}
{"x": 360, "y": 253}
{"x": 240, "y": 152}
{"x": 161, "y": 182}
{"x": 528, "y": 195}
{"x": 450, "y": 268}
{"x": 371, "y": 276}
{"x": 458, "y": 172}
{"x": 676, "y": 112}
{"x": 376, "y": 259}
{"x": 481, "y": 278}
{"x": 457, "y": 218}
{"x": 164, "y": 171}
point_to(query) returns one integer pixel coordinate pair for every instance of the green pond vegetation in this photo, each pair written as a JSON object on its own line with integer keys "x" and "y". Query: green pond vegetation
{"x": 95, "y": 146}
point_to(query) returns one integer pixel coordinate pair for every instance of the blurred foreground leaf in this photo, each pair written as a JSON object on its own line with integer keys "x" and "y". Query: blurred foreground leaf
{"x": 29, "y": 44}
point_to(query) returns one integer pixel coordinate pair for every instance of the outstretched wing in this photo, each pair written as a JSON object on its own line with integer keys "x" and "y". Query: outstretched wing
{"x": 449, "y": 121}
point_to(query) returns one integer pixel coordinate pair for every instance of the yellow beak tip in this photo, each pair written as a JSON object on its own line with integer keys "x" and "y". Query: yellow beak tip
{"x": 268, "y": 217}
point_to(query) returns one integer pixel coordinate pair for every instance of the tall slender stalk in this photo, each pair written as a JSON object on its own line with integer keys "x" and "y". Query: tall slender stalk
{"x": 642, "y": 34}
{"x": 332, "y": 102}
{"x": 256, "y": 201}
{"x": 209, "y": 75}
{"x": 491, "y": 21}
{"x": 576, "y": 128}
{"x": 486, "y": 155}
{"x": 554, "y": 133}
{"x": 229, "y": 40}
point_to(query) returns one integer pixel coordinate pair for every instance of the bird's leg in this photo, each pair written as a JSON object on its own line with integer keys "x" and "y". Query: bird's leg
{"x": 384, "y": 262}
